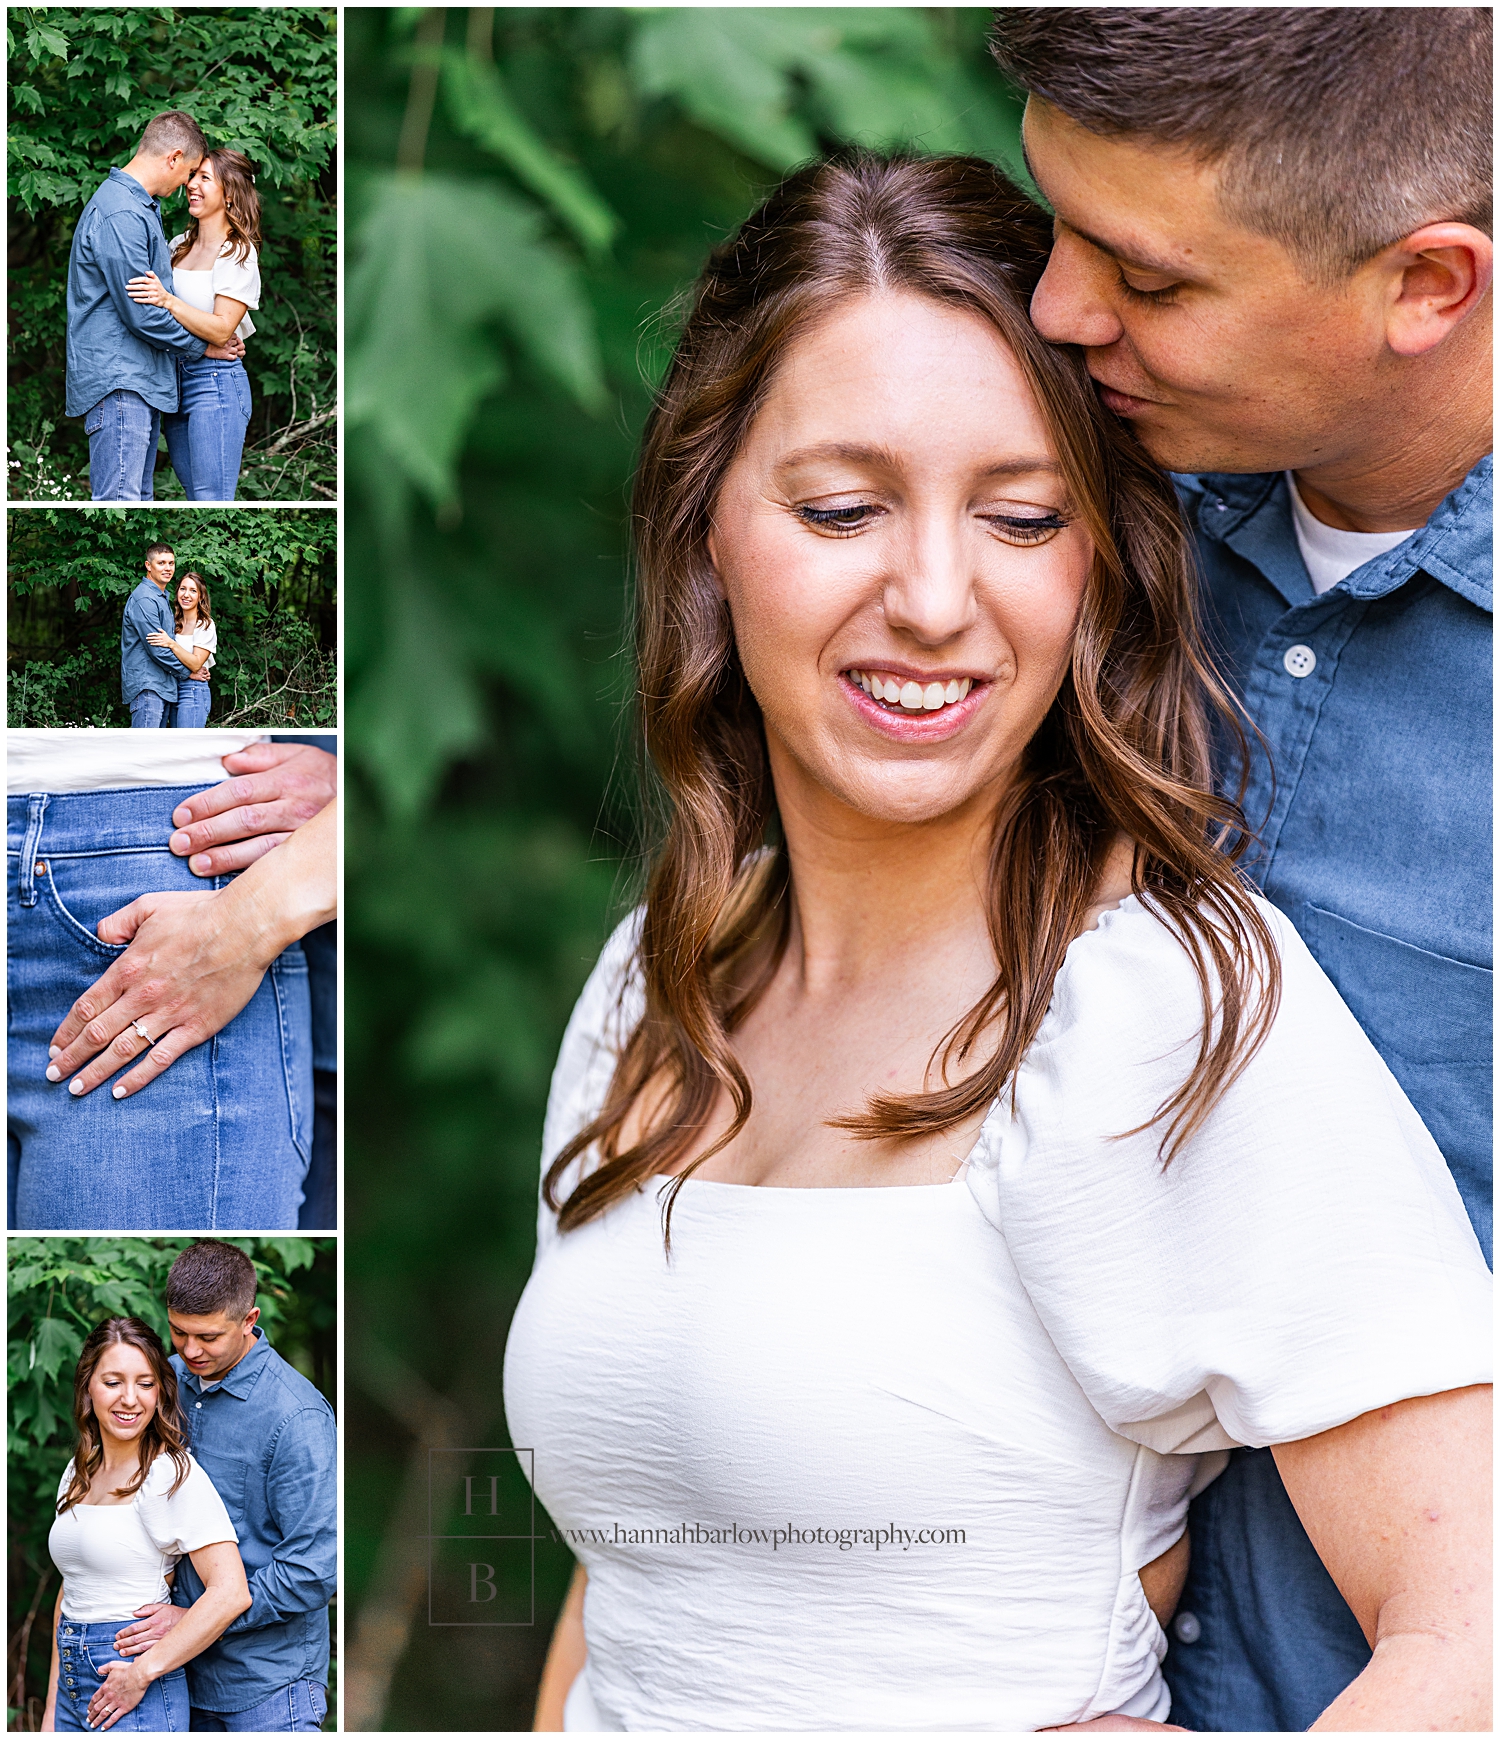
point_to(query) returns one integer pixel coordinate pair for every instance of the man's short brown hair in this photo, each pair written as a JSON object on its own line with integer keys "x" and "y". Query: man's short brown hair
{"x": 1337, "y": 130}
{"x": 209, "y": 1277}
{"x": 172, "y": 130}
{"x": 159, "y": 549}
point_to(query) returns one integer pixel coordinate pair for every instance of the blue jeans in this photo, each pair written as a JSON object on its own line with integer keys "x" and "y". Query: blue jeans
{"x": 206, "y": 433}
{"x": 1257, "y": 1591}
{"x": 221, "y": 1140}
{"x": 122, "y": 430}
{"x": 82, "y": 1649}
{"x": 298, "y": 1708}
{"x": 192, "y": 703}
{"x": 149, "y": 712}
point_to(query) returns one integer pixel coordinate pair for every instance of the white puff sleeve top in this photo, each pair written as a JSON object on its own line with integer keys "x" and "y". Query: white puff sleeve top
{"x": 226, "y": 277}
{"x": 115, "y": 1557}
{"x": 1021, "y": 1376}
{"x": 204, "y": 637}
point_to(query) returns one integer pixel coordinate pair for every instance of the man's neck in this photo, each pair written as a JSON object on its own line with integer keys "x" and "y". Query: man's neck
{"x": 149, "y": 173}
{"x": 161, "y": 585}
{"x": 1444, "y": 430}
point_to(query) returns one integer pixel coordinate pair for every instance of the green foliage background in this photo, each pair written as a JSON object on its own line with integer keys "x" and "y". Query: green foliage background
{"x": 527, "y": 189}
{"x": 59, "y": 1290}
{"x": 271, "y": 578}
{"x": 83, "y": 82}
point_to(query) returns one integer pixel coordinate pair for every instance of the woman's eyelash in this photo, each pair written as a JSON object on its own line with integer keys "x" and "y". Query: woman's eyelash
{"x": 1156, "y": 298}
{"x": 836, "y": 518}
{"x": 1031, "y": 529}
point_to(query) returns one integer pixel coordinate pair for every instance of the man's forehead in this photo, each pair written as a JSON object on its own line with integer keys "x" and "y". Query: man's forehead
{"x": 215, "y": 1324}
{"x": 1156, "y": 208}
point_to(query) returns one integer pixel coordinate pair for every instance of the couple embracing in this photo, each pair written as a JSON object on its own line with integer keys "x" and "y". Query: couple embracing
{"x": 157, "y": 329}
{"x": 167, "y": 647}
{"x": 196, "y": 1523}
{"x": 1046, "y": 1087}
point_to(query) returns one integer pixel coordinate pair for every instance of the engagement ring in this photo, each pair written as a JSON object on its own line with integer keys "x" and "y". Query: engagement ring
{"x": 142, "y": 1031}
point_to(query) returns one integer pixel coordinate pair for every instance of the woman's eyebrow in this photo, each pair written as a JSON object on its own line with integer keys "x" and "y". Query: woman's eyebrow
{"x": 857, "y": 453}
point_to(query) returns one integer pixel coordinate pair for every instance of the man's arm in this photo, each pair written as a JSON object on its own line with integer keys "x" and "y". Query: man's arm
{"x": 302, "y": 1575}
{"x": 122, "y": 250}
{"x": 135, "y": 615}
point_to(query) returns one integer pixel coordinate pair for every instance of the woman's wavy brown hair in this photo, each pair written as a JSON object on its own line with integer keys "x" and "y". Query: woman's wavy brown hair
{"x": 235, "y": 174}
{"x": 1125, "y": 748}
{"x": 165, "y": 1431}
{"x": 204, "y": 613}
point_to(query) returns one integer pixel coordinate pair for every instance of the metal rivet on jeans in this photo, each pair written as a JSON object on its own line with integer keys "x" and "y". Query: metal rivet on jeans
{"x": 1187, "y": 1627}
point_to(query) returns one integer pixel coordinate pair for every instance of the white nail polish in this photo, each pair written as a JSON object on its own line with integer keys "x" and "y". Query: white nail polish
{"x": 53, "y": 1072}
{"x": 75, "y": 1086}
{"x": 117, "y": 1092}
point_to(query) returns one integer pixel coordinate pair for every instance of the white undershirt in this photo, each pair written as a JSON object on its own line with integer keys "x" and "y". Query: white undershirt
{"x": 1331, "y": 555}
{"x": 86, "y": 760}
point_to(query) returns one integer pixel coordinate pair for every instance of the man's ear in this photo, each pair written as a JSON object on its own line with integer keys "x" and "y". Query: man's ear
{"x": 253, "y": 1317}
{"x": 1439, "y": 275}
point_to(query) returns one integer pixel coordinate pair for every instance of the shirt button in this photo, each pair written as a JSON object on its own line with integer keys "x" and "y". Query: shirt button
{"x": 197, "y": 1403}
{"x": 1187, "y": 1627}
{"x": 1299, "y": 660}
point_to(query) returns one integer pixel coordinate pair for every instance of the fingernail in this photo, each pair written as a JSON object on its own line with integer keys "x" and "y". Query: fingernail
{"x": 76, "y": 1086}
{"x": 181, "y": 815}
{"x": 179, "y": 842}
{"x": 53, "y": 1072}
{"x": 118, "y": 1092}
{"x": 54, "y": 1050}
{"x": 200, "y": 865}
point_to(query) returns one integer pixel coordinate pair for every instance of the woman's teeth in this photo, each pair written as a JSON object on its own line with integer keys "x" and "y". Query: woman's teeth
{"x": 912, "y": 697}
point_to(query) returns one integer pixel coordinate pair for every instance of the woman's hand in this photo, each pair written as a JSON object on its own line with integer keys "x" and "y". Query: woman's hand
{"x": 193, "y": 961}
{"x": 1117, "y": 1724}
{"x": 149, "y": 288}
{"x": 127, "y": 1683}
{"x": 198, "y": 675}
{"x": 191, "y": 966}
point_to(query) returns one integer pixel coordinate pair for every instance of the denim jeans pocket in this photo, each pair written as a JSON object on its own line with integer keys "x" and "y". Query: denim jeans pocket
{"x": 94, "y": 421}
{"x": 82, "y": 891}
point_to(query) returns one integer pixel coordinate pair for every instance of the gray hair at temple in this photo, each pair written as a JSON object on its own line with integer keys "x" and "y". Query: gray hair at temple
{"x": 171, "y": 131}
{"x": 1336, "y": 130}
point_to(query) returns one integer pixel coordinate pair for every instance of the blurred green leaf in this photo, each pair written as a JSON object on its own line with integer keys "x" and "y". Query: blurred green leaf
{"x": 437, "y": 260}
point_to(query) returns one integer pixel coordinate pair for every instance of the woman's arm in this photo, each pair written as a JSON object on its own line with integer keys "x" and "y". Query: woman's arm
{"x": 1397, "y": 1503}
{"x": 565, "y": 1658}
{"x": 225, "y": 1596}
{"x": 49, "y": 1713}
{"x": 216, "y": 328}
{"x": 195, "y": 960}
{"x": 194, "y": 657}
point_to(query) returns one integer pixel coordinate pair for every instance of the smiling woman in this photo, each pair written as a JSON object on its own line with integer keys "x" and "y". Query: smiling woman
{"x": 941, "y": 1141}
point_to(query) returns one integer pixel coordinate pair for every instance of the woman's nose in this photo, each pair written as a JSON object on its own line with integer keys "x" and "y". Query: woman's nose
{"x": 1068, "y": 305}
{"x": 931, "y": 596}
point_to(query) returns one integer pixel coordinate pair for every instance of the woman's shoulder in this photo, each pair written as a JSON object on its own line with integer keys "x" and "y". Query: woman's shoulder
{"x": 608, "y": 1009}
{"x": 177, "y": 241}
{"x": 164, "y": 1473}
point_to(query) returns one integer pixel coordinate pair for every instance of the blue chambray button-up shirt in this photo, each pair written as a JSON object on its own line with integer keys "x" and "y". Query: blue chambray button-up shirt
{"x": 267, "y": 1440}
{"x": 143, "y": 666}
{"x": 1373, "y": 808}
{"x": 113, "y": 343}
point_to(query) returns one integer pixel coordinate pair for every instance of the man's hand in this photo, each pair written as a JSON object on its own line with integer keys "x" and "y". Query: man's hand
{"x": 231, "y": 350}
{"x": 191, "y": 966}
{"x": 156, "y": 1619}
{"x": 278, "y": 787}
{"x": 122, "y": 1689}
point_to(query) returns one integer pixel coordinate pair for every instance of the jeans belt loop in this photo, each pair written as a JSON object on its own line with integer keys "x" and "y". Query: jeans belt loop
{"x": 36, "y": 807}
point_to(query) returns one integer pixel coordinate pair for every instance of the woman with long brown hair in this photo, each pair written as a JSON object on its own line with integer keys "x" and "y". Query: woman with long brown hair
{"x": 194, "y": 640}
{"x": 215, "y": 282}
{"x": 130, "y": 1504}
{"x": 954, "y": 1157}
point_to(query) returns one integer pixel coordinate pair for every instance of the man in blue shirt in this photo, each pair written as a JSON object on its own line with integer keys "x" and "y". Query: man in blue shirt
{"x": 122, "y": 355}
{"x": 149, "y": 671}
{"x": 1271, "y": 241}
{"x": 266, "y": 1438}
